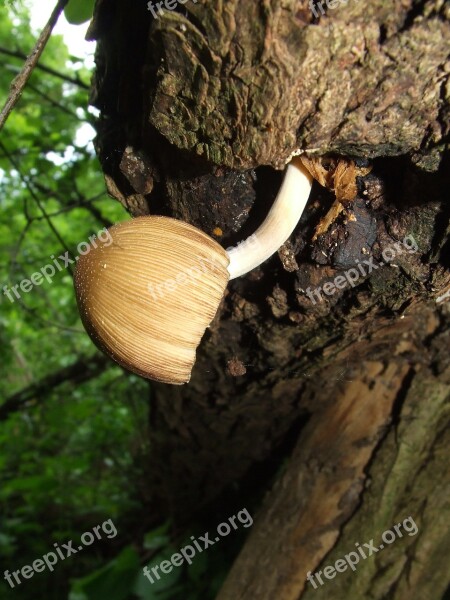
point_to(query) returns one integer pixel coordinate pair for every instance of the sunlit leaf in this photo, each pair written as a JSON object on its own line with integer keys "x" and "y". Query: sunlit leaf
{"x": 79, "y": 11}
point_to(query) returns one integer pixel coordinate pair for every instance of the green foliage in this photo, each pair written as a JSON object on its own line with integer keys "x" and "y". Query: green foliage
{"x": 113, "y": 581}
{"x": 49, "y": 184}
{"x": 75, "y": 455}
{"x": 68, "y": 460}
{"x": 123, "y": 577}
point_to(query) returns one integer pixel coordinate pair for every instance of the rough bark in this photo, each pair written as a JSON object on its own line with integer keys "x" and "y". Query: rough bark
{"x": 197, "y": 107}
{"x": 376, "y": 455}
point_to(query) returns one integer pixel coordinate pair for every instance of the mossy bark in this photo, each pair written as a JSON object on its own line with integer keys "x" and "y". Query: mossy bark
{"x": 198, "y": 109}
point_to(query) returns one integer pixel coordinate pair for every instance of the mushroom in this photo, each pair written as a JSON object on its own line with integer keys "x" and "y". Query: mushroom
{"x": 147, "y": 297}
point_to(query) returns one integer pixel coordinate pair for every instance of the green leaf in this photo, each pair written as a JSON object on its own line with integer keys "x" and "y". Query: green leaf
{"x": 157, "y": 538}
{"x": 113, "y": 581}
{"x": 79, "y": 11}
{"x": 163, "y": 587}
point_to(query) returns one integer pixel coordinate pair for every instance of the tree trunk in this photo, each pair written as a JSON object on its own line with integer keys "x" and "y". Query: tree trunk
{"x": 199, "y": 108}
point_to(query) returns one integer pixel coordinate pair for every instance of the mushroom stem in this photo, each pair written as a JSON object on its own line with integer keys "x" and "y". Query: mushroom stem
{"x": 278, "y": 225}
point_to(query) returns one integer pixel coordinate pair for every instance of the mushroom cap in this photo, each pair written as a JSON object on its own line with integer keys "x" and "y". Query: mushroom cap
{"x": 147, "y": 294}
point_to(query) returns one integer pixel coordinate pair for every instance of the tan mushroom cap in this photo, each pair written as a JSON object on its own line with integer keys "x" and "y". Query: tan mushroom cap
{"x": 147, "y": 295}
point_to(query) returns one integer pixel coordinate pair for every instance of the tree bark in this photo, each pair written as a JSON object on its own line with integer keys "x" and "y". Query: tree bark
{"x": 199, "y": 108}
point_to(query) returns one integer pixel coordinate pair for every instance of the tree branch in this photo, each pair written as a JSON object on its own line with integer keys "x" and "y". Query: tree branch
{"x": 56, "y": 104}
{"x": 28, "y": 185}
{"x": 80, "y": 371}
{"x": 20, "y": 81}
{"x": 75, "y": 80}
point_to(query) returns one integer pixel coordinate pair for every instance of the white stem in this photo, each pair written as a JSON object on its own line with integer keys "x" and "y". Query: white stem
{"x": 278, "y": 225}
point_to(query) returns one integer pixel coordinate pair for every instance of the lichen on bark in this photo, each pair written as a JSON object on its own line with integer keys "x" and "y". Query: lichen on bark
{"x": 250, "y": 83}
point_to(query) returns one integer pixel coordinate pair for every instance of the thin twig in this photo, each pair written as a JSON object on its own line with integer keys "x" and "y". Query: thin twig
{"x": 55, "y": 103}
{"x": 29, "y": 186}
{"x": 36, "y": 316}
{"x": 80, "y": 203}
{"x": 82, "y": 370}
{"x": 22, "y": 56}
{"x": 21, "y": 80}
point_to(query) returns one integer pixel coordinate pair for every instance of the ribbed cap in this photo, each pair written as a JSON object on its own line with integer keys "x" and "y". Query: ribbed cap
{"x": 147, "y": 294}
